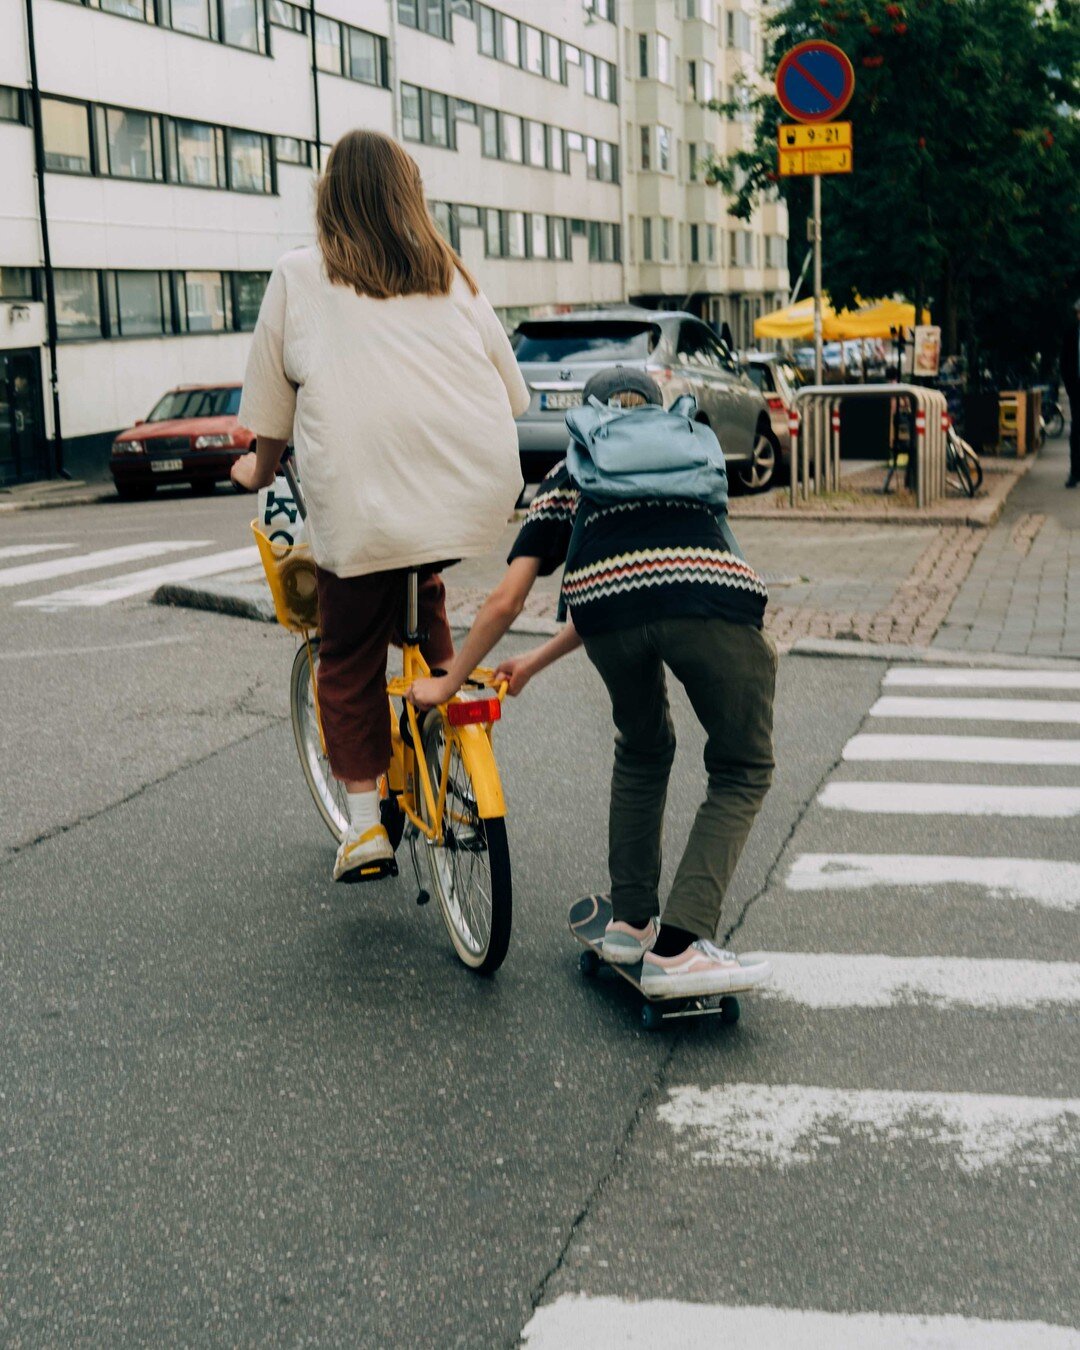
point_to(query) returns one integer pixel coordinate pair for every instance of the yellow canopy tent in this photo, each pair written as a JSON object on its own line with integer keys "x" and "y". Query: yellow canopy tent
{"x": 794, "y": 322}
{"x": 876, "y": 319}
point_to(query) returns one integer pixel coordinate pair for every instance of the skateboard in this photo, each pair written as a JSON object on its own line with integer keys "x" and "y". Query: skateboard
{"x": 588, "y": 918}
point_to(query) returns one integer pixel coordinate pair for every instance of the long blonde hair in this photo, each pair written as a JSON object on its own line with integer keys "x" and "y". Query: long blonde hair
{"x": 373, "y": 225}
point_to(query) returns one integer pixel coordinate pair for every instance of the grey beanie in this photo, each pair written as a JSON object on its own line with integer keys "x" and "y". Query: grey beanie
{"x": 605, "y": 384}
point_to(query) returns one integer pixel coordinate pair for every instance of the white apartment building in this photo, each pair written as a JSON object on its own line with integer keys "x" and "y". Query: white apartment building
{"x": 158, "y": 156}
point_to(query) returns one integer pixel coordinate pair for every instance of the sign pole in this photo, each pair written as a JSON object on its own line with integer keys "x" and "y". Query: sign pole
{"x": 818, "y": 354}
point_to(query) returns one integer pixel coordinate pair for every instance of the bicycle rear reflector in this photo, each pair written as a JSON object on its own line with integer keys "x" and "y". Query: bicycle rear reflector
{"x": 467, "y": 711}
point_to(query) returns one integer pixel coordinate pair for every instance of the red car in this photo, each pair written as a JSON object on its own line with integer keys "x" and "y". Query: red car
{"x": 191, "y": 436}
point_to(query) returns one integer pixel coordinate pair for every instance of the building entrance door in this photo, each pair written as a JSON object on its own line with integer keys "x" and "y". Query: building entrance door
{"x": 22, "y": 429}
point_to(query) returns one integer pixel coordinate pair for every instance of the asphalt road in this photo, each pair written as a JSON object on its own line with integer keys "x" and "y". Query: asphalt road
{"x": 242, "y": 1106}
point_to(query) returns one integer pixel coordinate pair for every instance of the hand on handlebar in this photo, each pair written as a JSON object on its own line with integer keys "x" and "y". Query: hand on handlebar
{"x": 244, "y": 473}
{"x": 515, "y": 672}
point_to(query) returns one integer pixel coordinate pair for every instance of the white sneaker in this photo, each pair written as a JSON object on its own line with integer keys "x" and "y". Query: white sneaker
{"x": 704, "y": 968}
{"x": 624, "y": 946}
{"x": 360, "y": 853}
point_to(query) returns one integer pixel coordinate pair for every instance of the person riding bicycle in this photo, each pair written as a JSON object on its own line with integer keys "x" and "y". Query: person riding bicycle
{"x": 651, "y": 584}
{"x": 376, "y": 352}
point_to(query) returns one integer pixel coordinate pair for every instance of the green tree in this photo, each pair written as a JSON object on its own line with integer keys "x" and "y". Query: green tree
{"x": 966, "y": 190}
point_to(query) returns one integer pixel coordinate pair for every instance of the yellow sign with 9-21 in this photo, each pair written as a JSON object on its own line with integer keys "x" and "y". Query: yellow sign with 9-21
{"x": 823, "y": 136}
{"x": 823, "y": 148}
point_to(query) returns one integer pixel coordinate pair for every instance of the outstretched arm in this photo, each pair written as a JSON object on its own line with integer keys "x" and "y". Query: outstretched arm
{"x": 517, "y": 671}
{"x": 496, "y": 615}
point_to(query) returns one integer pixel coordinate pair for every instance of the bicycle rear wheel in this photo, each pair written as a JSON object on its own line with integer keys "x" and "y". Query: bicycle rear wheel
{"x": 963, "y": 471}
{"x": 1053, "y": 419}
{"x": 470, "y": 869}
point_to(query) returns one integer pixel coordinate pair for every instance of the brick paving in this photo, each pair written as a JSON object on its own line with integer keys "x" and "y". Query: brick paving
{"x": 1022, "y": 595}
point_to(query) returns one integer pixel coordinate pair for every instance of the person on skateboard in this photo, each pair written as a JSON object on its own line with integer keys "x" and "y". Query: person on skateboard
{"x": 652, "y": 585}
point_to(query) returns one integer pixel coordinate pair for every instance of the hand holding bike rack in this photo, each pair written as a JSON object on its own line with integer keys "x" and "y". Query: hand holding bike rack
{"x": 814, "y": 423}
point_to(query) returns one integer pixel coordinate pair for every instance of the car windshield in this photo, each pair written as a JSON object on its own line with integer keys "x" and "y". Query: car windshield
{"x": 609, "y": 340}
{"x": 196, "y": 403}
{"x": 760, "y": 377}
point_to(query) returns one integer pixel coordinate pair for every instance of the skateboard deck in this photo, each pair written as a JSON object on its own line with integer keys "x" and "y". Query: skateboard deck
{"x": 588, "y": 918}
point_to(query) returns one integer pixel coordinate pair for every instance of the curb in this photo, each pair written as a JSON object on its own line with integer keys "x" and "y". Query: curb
{"x": 51, "y": 503}
{"x": 845, "y": 649}
{"x": 246, "y": 602}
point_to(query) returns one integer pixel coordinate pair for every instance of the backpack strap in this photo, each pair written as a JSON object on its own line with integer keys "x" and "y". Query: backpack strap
{"x": 562, "y": 613}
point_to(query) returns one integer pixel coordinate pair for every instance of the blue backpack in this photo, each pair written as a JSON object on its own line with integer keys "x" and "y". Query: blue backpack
{"x": 616, "y": 455}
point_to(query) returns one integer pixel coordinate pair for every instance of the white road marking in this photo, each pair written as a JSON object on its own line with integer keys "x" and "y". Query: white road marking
{"x": 962, "y": 749}
{"x": 40, "y": 653}
{"x": 576, "y": 1321}
{"x": 134, "y": 583}
{"x": 982, "y": 679}
{"x": 29, "y": 573}
{"x": 828, "y": 980}
{"x": 28, "y": 550}
{"x": 978, "y": 709}
{"x": 1054, "y": 885}
{"x": 951, "y": 799}
{"x": 761, "y": 1124}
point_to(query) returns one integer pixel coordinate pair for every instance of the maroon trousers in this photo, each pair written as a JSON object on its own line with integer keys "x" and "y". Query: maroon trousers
{"x": 359, "y": 617}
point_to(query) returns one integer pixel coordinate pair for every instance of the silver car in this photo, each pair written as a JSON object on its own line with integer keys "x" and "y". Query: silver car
{"x": 557, "y": 356}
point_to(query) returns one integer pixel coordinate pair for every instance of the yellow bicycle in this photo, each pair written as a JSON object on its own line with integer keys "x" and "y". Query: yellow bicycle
{"x": 443, "y": 795}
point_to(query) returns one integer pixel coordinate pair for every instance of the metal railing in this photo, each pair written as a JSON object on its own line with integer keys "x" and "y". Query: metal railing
{"x": 814, "y": 423}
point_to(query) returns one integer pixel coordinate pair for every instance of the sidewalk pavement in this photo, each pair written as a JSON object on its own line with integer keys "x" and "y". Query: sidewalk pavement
{"x": 1022, "y": 594}
{"x": 50, "y": 492}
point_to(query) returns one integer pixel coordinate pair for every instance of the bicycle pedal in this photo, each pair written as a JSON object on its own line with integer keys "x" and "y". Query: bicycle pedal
{"x": 376, "y": 872}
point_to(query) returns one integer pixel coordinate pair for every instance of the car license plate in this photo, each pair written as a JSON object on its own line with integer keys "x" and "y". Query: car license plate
{"x": 557, "y": 402}
{"x": 166, "y": 465}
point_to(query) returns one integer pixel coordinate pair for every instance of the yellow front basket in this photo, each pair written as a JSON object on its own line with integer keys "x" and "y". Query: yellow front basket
{"x": 290, "y": 573}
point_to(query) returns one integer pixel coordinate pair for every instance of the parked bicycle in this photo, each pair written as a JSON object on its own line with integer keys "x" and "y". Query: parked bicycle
{"x": 963, "y": 471}
{"x": 1051, "y": 418}
{"x": 443, "y": 795}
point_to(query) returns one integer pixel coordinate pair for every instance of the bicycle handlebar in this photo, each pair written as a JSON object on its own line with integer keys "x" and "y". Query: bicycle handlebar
{"x": 294, "y": 485}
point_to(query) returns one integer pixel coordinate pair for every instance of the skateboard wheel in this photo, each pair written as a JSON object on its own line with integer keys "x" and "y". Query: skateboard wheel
{"x": 588, "y": 964}
{"x": 729, "y": 1011}
{"x": 651, "y": 1016}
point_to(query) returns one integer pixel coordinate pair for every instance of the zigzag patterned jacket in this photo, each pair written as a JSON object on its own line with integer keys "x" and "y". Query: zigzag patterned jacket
{"x": 638, "y": 561}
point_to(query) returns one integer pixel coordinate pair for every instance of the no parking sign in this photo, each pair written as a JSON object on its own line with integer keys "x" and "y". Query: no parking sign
{"x": 814, "y": 81}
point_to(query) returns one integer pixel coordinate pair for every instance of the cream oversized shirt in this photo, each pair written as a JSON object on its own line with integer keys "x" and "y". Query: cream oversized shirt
{"x": 401, "y": 411}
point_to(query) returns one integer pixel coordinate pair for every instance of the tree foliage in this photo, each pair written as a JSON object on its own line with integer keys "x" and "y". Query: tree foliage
{"x": 966, "y": 190}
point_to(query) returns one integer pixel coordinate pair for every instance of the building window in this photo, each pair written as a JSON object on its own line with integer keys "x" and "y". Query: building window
{"x": 140, "y": 304}
{"x": 468, "y": 216}
{"x": 601, "y": 160}
{"x": 665, "y": 238}
{"x": 643, "y": 55}
{"x": 532, "y": 50}
{"x": 538, "y": 236}
{"x": 130, "y": 144}
{"x": 486, "y": 31}
{"x": 510, "y": 137}
{"x": 442, "y": 213}
{"x": 599, "y": 77}
{"x": 249, "y": 162}
{"x": 287, "y": 15}
{"x": 289, "y": 150}
{"x": 248, "y": 288}
{"x": 663, "y": 59}
{"x": 492, "y": 234}
{"x": 78, "y": 304}
{"x": 204, "y": 303}
{"x": 425, "y": 116}
{"x": 429, "y": 16}
{"x": 328, "y": 46}
{"x": 244, "y": 24}
{"x": 509, "y": 40}
{"x": 560, "y": 238}
{"x": 663, "y": 149}
{"x": 646, "y": 238}
{"x": 646, "y": 149}
{"x": 553, "y": 59}
{"x": 515, "y": 234}
{"x": 695, "y": 250}
{"x": 197, "y": 17}
{"x": 710, "y": 242}
{"x": 738, "y": 30}
{"x": 603, "y": 241}
{"x": 130, "y": 9}
{"x": 18, "y": 283}
{"x": 489, "y": 133}
{"x": 12, "y": 105}
{"x": 603, "y": 9}
{"x": 556, "y": 150}
{"x": 700, "y": 9}
{"x": 691, "y": 152}
{"x": 366, "y": 60}
{"x": 536, "y": 138}
{"x": 66, "y": 129}
{"x": 200, "y": 154}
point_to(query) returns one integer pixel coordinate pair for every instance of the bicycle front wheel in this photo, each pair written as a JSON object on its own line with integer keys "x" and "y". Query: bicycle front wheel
{"x": 1053, "y": 419}
{"x": 470, "y": 868}
{"x": 327, "y": 791}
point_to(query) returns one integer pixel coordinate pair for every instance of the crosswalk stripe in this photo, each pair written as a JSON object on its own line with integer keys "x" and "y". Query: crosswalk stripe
{"x": 28, "y": 550}
{"x": 830, "y": 980}
{"x": 605, "y": 1323}
{"x": 784, "y": 1124}
{"x": 134, "y": 583}
{"x": 51, "y": 568}
{"x": 961, "y": 749}
{"x": 916, "y": 676}
{"x": 1043, "y": 881}
{"x": 951, "y": 799}
{"x": 978, "y": 709}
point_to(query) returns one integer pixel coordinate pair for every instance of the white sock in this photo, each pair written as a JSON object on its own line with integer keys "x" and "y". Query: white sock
{"x": 363, "y": 810}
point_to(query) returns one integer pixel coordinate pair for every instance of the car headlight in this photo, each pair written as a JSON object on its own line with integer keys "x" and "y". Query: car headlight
{"x": 213, "y": 441}
{"x": 128, "y": 448}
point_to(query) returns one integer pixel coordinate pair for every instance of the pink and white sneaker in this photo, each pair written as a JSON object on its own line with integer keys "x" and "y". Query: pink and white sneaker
{"x": 704, "y": 968}
{"x": 623, "y": 945}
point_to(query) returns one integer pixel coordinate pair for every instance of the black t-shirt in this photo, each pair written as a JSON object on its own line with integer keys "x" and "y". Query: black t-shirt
{"x": 637, "y": 561}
